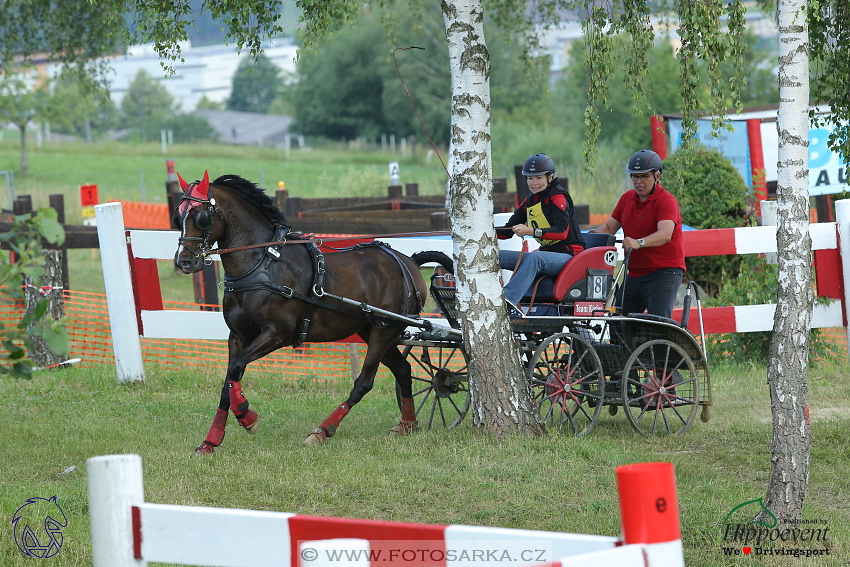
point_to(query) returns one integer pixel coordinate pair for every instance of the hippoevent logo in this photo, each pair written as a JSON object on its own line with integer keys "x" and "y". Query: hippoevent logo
{"x": 38, "y": 527}
{"x": 742, "y": 535}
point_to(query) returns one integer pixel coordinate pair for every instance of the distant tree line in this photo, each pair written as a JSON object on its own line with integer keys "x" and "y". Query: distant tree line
{"x": 349, "y": 88}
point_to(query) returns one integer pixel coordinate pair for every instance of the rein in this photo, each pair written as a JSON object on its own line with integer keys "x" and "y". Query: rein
{"x": 319, "y": 241}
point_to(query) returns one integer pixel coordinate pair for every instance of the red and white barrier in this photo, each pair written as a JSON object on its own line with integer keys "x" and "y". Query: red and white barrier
{"x": 127, "y": 531}
{"x": 134, "y": 296}
{"x": 129, "y": 264}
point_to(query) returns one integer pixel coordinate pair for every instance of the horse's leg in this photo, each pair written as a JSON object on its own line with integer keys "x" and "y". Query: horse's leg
{"x": 232, "y": 397}
{"x": 268, "y": 341}
{"x": 378, "y": 340}
{"x": 401, "y": 370}
{"x": 216, "y": 433}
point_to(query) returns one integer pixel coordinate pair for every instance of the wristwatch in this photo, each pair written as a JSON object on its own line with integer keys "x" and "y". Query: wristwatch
{"x": 538, "y": 233}
{"x": 641, "y": 242}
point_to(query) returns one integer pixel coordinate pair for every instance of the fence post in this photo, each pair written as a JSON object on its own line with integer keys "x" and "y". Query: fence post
{"x": 57, "y": 201}
{"x": 115, "y": 485}
{"x": 119, "y": 297}
{"x": 842, "y": 217}
{"x": 649, "y": 511}
{"x": 22, "y": 205}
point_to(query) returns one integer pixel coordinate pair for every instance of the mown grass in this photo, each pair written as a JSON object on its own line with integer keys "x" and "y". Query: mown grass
{"x": 114, "y": 168}
{"x": 58, "y": 420}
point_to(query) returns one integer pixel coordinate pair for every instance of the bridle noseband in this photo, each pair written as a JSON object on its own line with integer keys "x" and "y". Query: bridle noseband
{"x": 204, "y": 220}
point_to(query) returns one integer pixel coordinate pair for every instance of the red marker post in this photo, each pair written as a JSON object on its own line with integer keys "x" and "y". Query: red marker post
{"x": 88, "y": 199}
{"x": 649, "y": 507}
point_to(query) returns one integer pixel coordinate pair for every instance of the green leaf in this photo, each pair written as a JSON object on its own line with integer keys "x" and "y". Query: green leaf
{"x": 26, "y": 321}
{"x": 41, "y": 307}
{"x": 50, "y": 228}
{"x": 57, "y": 340}
{"x": 22, "y": 369}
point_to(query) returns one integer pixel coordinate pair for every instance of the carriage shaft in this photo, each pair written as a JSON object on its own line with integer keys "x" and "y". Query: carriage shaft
{"x": 420, "y": 323}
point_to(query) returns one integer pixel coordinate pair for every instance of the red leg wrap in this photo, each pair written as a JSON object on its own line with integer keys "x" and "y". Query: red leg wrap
{"x": 216, "y": 432}
{"x": 238, "y": 403}
{"x": 247, "y": 418}
{"x": 331, "y": 422}
{"x": 408, "y": 411}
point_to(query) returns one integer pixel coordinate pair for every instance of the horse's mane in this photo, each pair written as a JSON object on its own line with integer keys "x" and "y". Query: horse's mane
{"x": 254, "y": 195}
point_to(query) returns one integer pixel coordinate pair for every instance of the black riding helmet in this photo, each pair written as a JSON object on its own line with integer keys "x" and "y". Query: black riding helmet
{"x": 644, "y": 161}
{"x": 539, "y": 164}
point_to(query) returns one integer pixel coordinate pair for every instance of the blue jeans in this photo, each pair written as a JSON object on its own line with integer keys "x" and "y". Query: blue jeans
{"x": 533, "y": 264}
{"x": 654, "y": 292}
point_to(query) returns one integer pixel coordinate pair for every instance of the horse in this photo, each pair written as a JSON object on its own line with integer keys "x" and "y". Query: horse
{"x": 280, "y": 290}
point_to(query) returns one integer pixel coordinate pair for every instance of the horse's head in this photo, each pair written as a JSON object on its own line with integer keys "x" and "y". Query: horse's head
{"x": 199, "y": 230}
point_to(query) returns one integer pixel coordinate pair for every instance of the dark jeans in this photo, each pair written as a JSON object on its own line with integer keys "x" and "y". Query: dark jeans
{"x": 654, "y": 292}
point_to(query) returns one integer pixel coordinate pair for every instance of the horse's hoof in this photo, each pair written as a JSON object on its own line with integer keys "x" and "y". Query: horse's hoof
{"x": 403, "y": 428}
{"x": 250, "y": 421}
{"x": 317, "y": 437}
{"x": 204, "y": 449}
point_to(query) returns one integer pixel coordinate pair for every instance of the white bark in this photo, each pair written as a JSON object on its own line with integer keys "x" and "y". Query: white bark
{"x": 51, "y": 281}
{"x": 501, "y": 397}
{"x": 787, "y": 370}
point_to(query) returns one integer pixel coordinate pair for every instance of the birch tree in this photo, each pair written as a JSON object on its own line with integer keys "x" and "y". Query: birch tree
{"x": 501, "y": 398}
{"x": 787, "y": 370}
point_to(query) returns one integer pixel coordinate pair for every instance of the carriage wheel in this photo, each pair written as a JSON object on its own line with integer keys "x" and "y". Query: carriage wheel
{"x": 567, "y": 383}
{"x": 660, "y": 389}
{"x": 440, "y": 384}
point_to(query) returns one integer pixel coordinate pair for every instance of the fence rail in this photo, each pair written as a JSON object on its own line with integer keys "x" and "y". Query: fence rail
{"x": 127, "y": 531}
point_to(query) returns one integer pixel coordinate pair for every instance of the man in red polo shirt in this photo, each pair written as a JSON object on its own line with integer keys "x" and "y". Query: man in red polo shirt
{"x": 652, "y": 228}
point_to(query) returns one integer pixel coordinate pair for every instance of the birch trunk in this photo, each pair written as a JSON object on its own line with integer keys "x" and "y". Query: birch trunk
{"x": 51, "y": 287}
{"x": 787, "y": 370}
{"x": 500, "y": 396}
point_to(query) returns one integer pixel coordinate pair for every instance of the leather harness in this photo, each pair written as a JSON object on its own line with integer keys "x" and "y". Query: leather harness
{"x": 260, "y": 278}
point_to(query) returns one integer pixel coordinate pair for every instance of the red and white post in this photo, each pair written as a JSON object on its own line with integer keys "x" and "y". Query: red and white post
{"x": 842, "y": 219}
{"x": 115, "y": 486}
{"x": 119, "y": 292}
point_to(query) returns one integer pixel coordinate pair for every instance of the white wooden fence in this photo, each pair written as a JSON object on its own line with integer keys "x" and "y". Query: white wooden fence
{"x": 135, "y": 302}
{"x": 127, "y": 531}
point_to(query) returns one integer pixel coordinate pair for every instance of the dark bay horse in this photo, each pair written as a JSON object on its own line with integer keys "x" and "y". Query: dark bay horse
{"x": 281, "y": 291}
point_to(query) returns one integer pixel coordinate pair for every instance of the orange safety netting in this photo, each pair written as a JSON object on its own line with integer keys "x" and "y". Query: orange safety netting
{"x": 87, "y": 323}
{"x": 597, "y": 219}
{"x": 145, "y": 215}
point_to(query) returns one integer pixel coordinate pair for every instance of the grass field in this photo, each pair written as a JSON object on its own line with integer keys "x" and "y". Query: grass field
{"x": 58, "y": 420}
{"x": 115, "y": 168}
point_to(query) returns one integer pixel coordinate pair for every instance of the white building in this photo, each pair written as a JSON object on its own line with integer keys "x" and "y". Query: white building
{"x": 206, "y": 71}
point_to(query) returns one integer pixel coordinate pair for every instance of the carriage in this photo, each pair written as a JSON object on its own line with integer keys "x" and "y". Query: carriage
{"x": 579, "y": 354}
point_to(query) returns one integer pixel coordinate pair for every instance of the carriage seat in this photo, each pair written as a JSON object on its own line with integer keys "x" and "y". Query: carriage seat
{"x": 571, "y": 285}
